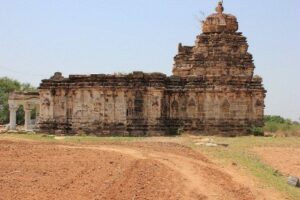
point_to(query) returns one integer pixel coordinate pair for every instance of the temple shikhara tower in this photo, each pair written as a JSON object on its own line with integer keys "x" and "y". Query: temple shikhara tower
{"x": 212, "y": 91}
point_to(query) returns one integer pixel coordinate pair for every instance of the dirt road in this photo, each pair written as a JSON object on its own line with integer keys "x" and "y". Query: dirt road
{"x": 133, "y": 170}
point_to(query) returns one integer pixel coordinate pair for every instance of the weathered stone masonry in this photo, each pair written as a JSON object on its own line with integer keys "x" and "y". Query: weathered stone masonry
{"x": 212, "y": 91}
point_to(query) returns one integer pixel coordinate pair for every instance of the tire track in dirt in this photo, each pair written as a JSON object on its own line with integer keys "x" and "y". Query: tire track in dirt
{"x": 199, "y": 176}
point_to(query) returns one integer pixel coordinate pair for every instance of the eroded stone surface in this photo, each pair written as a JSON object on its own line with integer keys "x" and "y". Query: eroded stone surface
{"x": 212, "y": 91}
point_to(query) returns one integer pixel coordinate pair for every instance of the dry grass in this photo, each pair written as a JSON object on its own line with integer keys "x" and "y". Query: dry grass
{"x": 240, "y": 151}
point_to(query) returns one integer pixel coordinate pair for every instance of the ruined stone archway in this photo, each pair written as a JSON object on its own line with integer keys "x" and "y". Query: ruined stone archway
{"x": 29, "y": 101}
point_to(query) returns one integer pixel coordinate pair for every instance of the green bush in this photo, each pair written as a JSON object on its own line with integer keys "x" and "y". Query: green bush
{"x": 275, "y": 124}
{"x": 274, "y": 118}
{"x": 271, "y": 127}
{"x": 257, "y": 131}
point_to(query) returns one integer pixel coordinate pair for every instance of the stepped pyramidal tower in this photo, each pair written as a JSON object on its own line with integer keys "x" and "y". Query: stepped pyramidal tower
{"x": 234, "y": 96}
{"x": 212, "y": 91}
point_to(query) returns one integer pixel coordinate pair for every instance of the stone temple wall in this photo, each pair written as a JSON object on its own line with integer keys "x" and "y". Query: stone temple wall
{"x": 213, "y": 90}
{"x": 147, "y": 104}
{"x": 103, "y": 104}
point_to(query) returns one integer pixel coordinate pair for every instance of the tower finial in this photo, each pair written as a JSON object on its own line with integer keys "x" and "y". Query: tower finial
{"x": 220, "y": 7}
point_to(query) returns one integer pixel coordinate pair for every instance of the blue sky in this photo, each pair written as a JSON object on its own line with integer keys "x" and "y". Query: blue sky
{"x": 38, "y": 38}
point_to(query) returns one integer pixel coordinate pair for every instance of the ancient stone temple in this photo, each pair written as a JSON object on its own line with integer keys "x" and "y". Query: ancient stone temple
{"x": 213, "y": 90}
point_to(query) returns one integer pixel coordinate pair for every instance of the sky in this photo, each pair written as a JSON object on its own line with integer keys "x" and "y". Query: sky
{"x": 38, "y": 38}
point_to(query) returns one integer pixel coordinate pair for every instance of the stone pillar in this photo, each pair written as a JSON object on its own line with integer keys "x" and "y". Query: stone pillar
{"x": 37, "y": 118}
{"x": 13, "y": 117}
{"x": 27, "y": 119}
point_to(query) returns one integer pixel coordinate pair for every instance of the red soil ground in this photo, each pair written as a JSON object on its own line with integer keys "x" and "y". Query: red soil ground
{"x": 119, "y": 170}
{"x": 286, "y": 160}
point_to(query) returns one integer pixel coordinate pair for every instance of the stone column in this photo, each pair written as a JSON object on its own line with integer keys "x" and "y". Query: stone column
{"x": 37, "y": 115}
{"x": 13, "y": 117}
{"x": 27, "y": 119}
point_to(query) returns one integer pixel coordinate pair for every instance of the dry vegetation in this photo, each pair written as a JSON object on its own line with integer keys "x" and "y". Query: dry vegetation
{"x": 281, "y": 127}
{"x": 252, "y": 154}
